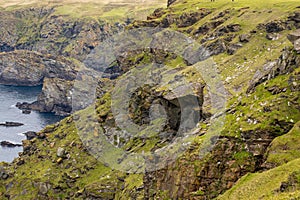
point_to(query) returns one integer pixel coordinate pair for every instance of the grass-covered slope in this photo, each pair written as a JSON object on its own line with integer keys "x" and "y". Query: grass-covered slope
{"x": 115, "y": 10}
{"x": 256, "y": 152}
{"x": 279, "y": 183}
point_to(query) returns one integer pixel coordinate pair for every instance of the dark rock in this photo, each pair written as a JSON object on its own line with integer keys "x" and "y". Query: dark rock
{"x": 272, "y": 36}
{"x": 188, "y": 19}
{"x": 294, "y": 38}
{"x": 30, "y": 135}
{"x": 184, "y": 20}
{"x": 24, "y": 105}
{"x": 221, "y": 14}
{"x": 295, "y": 18}
{"x": 27, "y": 112}
{"x": 276, "y": 90}
{"x": 217, "y": 47}
{"x": 285, "y": 64}
{"x": 274, "y": 27}
{"x": 206, "y": 27}
{"x": 234, "y": 27}
{"x": 11, "y": 124}
{"x": 283, "y": 186}
{"x": 233, "y": 48}
{"x": 295, "y": 35}
{"x": 28, "y": 107}
{"x": 3, "y": 174}
{"x": 157, "y": 13}
{"x": 297, "y": 45}
{"x": 244, "y": 37}
{"x": 170, "y": 2}
{"x": 20, "y": 162}
{"x": 9, "y": 144}
{"x": 4, "y": 47}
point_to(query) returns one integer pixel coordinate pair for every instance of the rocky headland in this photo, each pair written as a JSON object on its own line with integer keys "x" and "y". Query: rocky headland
{"x": 254, "y": 48}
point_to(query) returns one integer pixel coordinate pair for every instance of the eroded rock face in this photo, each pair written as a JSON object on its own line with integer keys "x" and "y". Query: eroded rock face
{"x": 44, "y": 39}
{"x": 294, "y": 38}
{"x": 285, "y": 64}
{"x": 9, "y": 32}
{"x": 297, "y": 45}
{"x": 37, "y": 29}
{"x": 182, "y": 109}
{"x": 27, "y": 68}
{"x": 21, "y": 68}
{"x": 219, "y": 171}
{"x": 56, "y": 97}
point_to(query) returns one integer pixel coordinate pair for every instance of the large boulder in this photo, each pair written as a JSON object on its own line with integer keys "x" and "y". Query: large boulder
{"x": 297, "y": 45}
{"x": 294, "y": 37}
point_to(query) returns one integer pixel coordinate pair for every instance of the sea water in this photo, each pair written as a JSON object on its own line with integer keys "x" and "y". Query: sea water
{"x": 35, "y": 121}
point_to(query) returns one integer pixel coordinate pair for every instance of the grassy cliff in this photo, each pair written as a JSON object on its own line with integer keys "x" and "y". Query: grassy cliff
{"x": 255, "y": 154}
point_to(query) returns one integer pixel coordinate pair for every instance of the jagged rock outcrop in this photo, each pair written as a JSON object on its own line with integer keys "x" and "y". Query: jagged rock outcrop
{"x": 44, "y": 43}
{"x": 27, "y": 68}
{"x": 52, "y": 34}
{"x": 295, "y": 39}
{"x": 55, "y": 73}
{"x": 171, "y": 2}
{"x": 56, "y": 96}
{"x": 285, "y": 64}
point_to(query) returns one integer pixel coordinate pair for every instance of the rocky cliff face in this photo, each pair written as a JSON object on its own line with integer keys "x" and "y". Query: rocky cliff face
{"x": 223, "y": 167}
{"x": 38, "y": 29}
{"x": 255, "y": 147}
{"x": 34, "y": 46}
{"x": 28, "y": 68}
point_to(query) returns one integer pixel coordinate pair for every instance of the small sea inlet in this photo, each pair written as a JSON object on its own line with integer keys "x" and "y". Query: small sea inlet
{"x": 34, "y": 121}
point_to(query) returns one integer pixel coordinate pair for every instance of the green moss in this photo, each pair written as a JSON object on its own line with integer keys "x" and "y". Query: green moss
{"x": 198, "y": 193}
{"x": 103, "y": 106}
{"x": 110, "y": 12}
{"x": 285, "y": 148}
{"x": 241, "y": 157}
{"x": 263, "y": 110}
{"x": 133, "y": 181}
{"x": 264, "y": 185}
{"x": 93, "y": 176}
